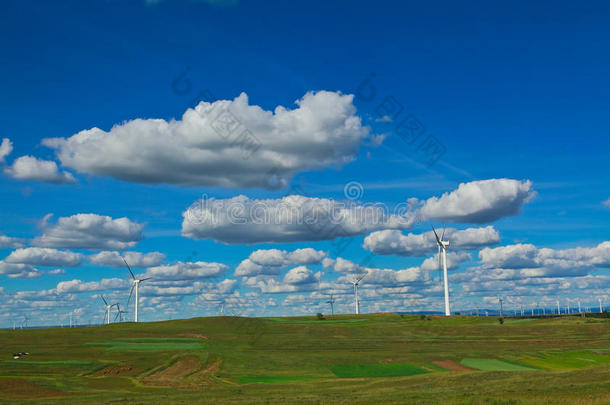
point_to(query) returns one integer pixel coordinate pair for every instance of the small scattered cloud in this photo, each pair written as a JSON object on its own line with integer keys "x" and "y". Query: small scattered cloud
{"x": 7, "y": 242}
{"x": 31, "y": 168}
{"x": 6, "y": 147}
{"x": 134, "y": 259}
{"x": 89, "y": 231}
{"x": 44, "y": 257}
{"x": 606, "y": 203}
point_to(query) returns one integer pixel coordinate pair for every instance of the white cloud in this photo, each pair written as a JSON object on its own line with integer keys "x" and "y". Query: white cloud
{"x": 31, "y": 168}
{"x": 535, "y": 262}
{"x": 479, "y": 201}
{"x": 300, "y": 275}
{"x": 44, "y": 257}
{"x": 75, "y": 286}
{"x": 134, "y": 259}
{"x": 90, "y": 231}
{"x": 289, "y": 219}
{"x": 186, "y": 271}
{"x": 392, "y": 242}
{"x": 273, "y": 261}
{"x": 606, "y": 203}
{"x": 225, "y": 143}
{"x": 57, "y": 272}
{"x": 18, "y": 270}
{"x": 6, "y": 147}
{"x": 453, "y": 261}
{"x": 10, "y": 243}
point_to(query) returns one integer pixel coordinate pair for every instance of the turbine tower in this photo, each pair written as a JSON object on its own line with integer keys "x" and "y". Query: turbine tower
{"x": 600, "y": 305}
{"x": 500, "y": 299}
{"x": 331, "y": 301}
{"x": 356, "y": 282}
{"x": 108, "y": 308}
{"x": 442, "y": 245}
{"x": 136, "y": 285}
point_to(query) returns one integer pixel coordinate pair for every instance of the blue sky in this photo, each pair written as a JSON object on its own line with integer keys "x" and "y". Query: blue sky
{"x": 515, "y": 91}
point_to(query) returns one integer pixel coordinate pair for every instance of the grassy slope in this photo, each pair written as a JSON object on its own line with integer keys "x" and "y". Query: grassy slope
{"x": 295, "y": 357}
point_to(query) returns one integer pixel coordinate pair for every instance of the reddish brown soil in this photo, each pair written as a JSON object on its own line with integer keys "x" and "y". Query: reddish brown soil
{"x": 174, "y": 374}
{"x": 114, "y": 370}
{"x": 451, "y": 365}
{"x": 22, "y": 388}
{"x": 192, "y": 335}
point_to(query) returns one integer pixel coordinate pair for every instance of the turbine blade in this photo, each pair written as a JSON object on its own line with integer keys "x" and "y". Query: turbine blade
{"x": 144, "y": 279}
{"x": 128, "y": 268}
{"x": 443, "y": 235}
{"x": 104, "y": 299}
{"x": 436, "y": 236}
{"x": 130, "y": 293}
{"x": 116, "y": 316}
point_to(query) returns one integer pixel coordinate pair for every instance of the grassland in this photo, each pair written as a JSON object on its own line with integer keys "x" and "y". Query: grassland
{"x": 370, "y": 359}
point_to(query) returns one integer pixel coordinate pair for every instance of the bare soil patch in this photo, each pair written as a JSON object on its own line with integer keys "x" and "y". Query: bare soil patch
{"x": 22, "y": 388}
{"x": 175, "y": 374}
{"x": 115, "y": 371}
{"x": 192, "y": 335}
{"x": 451, "y": 365}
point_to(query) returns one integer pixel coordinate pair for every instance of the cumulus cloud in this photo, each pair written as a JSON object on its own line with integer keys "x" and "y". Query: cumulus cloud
{"x": 6, "y": 147}
{"x": 31, "y": 168}
{"x": 393, "y": 242}
{"x": 228, "y": 143}
{"x": 45, "y": 257}
{"x": 453, "y": 261}
{"x": 134, "y": 259}
{"x": 186, "y": 271}
{"x": 273, "y": 261}
{"x": 18, "y": 270}
{"x": 7, "y": 242}
{"x": 89, "y": 231}
{"x": 479, "y": 201}
{"x": 289, "y": 219}
{"x": 76, "y": 286}
{"x": 536, "y": 262}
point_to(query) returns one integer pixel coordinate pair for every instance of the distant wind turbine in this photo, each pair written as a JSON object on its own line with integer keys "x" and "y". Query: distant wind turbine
{"x": 331, "y": 301}
{"x": 119, "y": 313}
{"x": 108, "y": 307}
{"x": 136, "y": 285}
{"x": 442, "y": 246}
{"x": 356, "y": 282}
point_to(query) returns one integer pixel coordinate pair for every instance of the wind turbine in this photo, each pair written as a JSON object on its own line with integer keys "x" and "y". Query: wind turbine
{"x": 579, "y": 306}
{"x": 500, "y": 299}
{"x": 136, "y": 285}
{"x": 442, "y": 245}
{"x": 600, "y": 305}
{"x": 356, "y": 282}
{"x": 119, "y": 313}
{"x": 558, "y": 308}
{"x": 108, "y": 308}
{"x": 331, "y": 301}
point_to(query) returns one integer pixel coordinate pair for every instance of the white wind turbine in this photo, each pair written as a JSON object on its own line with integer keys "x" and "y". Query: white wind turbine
{"x": 136, "y": 285}
{"x": 442, "y": 246}
{"x": 107, "y": 311}
{"x": 331, "y": 301}
{"x": 356, "y": 282}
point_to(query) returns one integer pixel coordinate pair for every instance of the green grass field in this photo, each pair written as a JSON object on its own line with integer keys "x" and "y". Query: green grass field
{"x": 377, "y": 358}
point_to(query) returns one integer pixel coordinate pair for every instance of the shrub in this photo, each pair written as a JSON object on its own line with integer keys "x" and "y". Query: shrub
{"x": 320, "y": 316}
{"x": 501, "y": 320}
